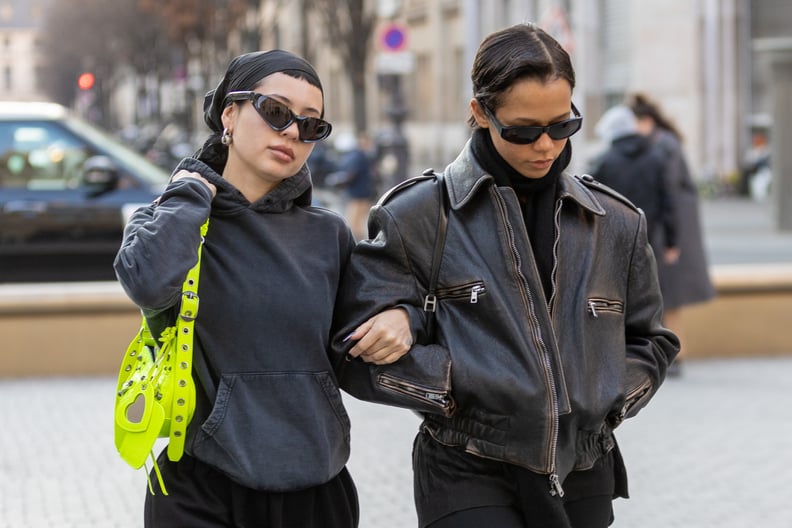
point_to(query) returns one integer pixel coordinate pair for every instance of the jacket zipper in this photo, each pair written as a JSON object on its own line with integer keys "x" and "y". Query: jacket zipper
{"x": 434, "y": 397}
{"x": 470, "y": 291}
{"x": 527, "y": 295}
{"x": 555, "y": 483}
{"x": 596, "y": 305}
{"x": 633, "y": 397}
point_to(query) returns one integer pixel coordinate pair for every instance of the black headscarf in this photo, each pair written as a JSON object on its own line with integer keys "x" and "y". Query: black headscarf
{"x": 244, "y": 73}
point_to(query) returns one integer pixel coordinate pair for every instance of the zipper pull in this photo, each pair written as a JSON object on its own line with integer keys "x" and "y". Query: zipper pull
{"x": 555, "y": 486}
{"x": 592, "y": 309}
{"x": 474, "y": 294}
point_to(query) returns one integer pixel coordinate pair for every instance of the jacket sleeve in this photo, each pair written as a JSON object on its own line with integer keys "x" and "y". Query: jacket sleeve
{"x": 381, "y": 275}
{"x": 160, "y": 245}
{"x": 650, "y": 346}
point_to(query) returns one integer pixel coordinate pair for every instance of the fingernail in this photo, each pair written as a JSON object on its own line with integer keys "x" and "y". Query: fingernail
{"x": 347, "y": 337}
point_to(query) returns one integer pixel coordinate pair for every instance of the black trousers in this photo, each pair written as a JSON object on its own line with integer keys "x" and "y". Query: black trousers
{"x": 201, "y": 497}
{"x": 455, "y": 489}
{"x": 592, "y": 512}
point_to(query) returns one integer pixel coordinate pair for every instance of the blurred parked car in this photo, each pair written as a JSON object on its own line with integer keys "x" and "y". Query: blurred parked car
{"x": 66, "y": 190}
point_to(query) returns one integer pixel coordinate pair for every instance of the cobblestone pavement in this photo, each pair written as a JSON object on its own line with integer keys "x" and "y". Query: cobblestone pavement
{"x": 712, "y": 450}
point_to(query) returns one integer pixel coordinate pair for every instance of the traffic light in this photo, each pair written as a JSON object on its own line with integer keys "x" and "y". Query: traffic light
{"x": 86, "y": 81}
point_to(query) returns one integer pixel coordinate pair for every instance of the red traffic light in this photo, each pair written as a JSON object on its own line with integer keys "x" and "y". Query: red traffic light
{"x": 86, "y": 81}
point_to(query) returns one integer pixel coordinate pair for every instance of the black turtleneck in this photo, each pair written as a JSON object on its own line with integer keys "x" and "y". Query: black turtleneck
{"x": 537, "y": 197}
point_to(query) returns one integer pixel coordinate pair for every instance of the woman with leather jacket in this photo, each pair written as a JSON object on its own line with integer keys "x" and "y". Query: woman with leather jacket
{"x": 544, "y": 330}
{"x": 269, "y": 440}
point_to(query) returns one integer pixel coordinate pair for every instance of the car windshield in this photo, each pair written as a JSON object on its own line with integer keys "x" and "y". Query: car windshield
{"x": 134, "y": 161}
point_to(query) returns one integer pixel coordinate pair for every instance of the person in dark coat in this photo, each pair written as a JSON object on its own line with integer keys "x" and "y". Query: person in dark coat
{"x": 356, "y": 170}
{"x": 636, "y": 168}
{"x": 687, "y": 281}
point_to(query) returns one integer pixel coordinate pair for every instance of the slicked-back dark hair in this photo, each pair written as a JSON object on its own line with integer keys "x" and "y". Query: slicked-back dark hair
{"x": 522, "y": 51}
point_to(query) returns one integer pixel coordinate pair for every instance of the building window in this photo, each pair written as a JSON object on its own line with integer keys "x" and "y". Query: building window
{"x": 7, "y": 78}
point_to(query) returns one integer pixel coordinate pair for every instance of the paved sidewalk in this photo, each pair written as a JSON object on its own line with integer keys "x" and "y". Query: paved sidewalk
{"x": 712, "y": 451}
{"x": 742, "y": 231}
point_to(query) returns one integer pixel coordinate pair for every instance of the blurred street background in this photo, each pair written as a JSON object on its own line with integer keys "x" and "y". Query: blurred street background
{"x": 397, "y": 71}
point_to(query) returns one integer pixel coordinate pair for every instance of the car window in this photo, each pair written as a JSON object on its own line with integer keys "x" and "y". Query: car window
{"x": 40, "y": 156}
{"x": 134, "y": 162}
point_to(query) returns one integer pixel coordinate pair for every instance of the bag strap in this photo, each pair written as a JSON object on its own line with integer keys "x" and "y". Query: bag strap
{"x": 185, "y": 323}
{"x": 430, "y": 301}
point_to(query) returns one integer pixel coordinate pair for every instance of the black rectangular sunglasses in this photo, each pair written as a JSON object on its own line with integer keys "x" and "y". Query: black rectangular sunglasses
{"x": 280, "y": 117}
{"x": 523, "y": 135}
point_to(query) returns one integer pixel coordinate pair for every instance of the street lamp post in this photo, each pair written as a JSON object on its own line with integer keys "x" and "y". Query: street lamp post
{"x": 393, "y": 61}
{"x": 392, "y": 147}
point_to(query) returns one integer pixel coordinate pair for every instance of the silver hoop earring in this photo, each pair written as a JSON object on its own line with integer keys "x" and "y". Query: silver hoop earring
{"x": 226, "y": 138}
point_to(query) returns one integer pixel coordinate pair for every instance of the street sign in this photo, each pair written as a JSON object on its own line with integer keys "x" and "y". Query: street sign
{"x": 393, "y": 56}
{"x": 395, "y": 62}
{"x": 393, "y": 38}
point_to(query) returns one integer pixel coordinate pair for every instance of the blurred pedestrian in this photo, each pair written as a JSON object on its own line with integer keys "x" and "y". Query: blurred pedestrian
{"x": 636, "y": 168}
{"x": 686, "y": 281}
{"x": 269, "y": 439}
{"x": 322, "y": 163}
{"x": 544, "y": 331}
{"x": 756, "y": 176}
{"x": 355, "y": 177}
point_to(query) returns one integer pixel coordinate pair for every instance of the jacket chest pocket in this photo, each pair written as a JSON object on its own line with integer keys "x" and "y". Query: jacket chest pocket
{"x": 597, "y": 306}
{"x": 470, "y": 292}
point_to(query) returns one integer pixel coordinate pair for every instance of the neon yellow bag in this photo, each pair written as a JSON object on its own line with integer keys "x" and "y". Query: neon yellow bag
{"x": 155, "y": 393}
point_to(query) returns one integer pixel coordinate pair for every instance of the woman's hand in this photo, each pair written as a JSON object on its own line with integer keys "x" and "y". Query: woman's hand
{"x": 184, "y": 174}
{"x": 384, "y": 338}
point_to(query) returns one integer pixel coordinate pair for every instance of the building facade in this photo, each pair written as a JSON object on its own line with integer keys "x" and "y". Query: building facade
{"x": 709, "y": 62}
{"x": 695, "y": 57}
{"x": 20, "y": 23}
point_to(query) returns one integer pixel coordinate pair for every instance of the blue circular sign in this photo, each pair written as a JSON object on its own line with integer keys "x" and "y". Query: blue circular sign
{"x": 394, "y": 38}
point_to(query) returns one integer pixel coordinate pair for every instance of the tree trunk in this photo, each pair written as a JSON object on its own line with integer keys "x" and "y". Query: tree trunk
{"x": 358, "y": 82}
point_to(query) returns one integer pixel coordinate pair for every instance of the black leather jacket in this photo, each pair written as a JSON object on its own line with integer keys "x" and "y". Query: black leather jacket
{"x": 509, "y": 375}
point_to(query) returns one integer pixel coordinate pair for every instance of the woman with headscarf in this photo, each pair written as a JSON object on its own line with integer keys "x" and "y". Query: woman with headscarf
{"x": 269, "y": 439}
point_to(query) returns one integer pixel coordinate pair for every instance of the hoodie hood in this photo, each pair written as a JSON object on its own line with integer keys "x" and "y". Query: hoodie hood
{"x": 293, "y": 191}
{"x": 616, "y": 123}
{"x": 631, "y": 146}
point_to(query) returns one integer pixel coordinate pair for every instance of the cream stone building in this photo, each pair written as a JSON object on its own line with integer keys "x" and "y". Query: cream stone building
{"x": 20, "y": 22}
{"x": 697, "y": 57}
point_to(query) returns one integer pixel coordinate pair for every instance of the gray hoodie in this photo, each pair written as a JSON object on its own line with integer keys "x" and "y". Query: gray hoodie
{"x": 269, "y": 277}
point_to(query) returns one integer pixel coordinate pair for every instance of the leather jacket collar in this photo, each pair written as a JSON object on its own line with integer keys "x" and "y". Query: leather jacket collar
{"x": 465, "y": 177}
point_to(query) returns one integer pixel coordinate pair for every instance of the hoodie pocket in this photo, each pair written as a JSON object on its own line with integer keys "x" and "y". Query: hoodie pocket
{"x": 276, "y": 431}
